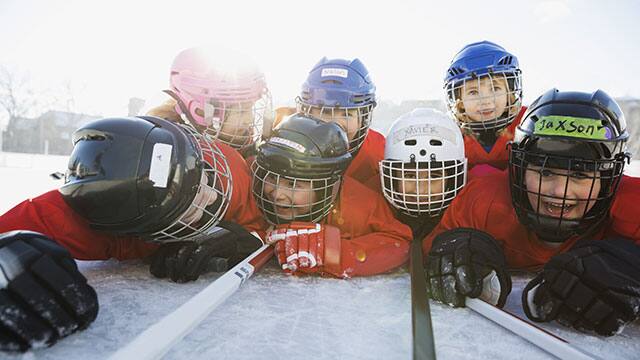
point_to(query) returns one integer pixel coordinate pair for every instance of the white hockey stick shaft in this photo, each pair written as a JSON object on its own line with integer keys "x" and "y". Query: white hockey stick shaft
{"x": 156, "y": 341}
{"x": 543, "y": 339}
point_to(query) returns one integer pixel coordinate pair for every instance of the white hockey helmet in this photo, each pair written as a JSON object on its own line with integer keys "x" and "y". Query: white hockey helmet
{"x": 424, "y": 165}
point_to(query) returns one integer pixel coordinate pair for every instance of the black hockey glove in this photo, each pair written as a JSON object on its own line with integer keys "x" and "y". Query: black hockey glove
{"x": 43, "y": 296}
{"x": 595, "y": 286}
{"x": 187, "y": 260}
{"x": 466, "y": 262}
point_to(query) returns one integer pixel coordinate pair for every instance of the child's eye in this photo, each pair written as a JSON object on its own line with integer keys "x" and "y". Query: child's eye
{"x": 546, "y": 172}
{"x": 579, "y": 175}
{"x": 472, "y": 92}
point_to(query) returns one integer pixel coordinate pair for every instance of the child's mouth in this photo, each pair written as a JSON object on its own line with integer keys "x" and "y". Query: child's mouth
{"x": 556, "y": 209}
{"x": 486, "y": 113}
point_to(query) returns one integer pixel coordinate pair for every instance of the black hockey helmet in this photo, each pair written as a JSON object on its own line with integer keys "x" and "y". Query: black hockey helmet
{"x": 148, "y": 177}
{"x": 582, "y": 134}
{"x": 301, "y": 149}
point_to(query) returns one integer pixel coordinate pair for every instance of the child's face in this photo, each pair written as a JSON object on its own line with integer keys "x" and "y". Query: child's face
{"x": 205, "y": 196}
{"x": 346, "y": 118}
{"x": 291, "y": 198}
{"x": 421, "y": 186}
{"x": 582, "y": 189}
{"x": 484, "y": 98}
{"x": 238, "y": 124}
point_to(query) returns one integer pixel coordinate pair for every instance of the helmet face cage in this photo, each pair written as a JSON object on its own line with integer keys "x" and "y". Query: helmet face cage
{"x": 487, "y": 102}
{"x": 236, "y": 123}
{"x": 398, "y": 176}
{"x": 308, "y": 200}
{"x": 212, "y": 198}
{"x": 564, "y": 174}
{"x": 354, "y": 120}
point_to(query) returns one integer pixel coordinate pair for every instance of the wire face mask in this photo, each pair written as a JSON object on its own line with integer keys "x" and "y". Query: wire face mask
{"x": 424, "y": 166}
{"x": 284, "y": 199}
{"x": 563, "y": 196}
{"x": 488, "y": 102}
{"x": 483, "y": 87}
{"x": 422, "y": 188}
{"x": 566, "y": 162}
{"x": 212, "y": 194}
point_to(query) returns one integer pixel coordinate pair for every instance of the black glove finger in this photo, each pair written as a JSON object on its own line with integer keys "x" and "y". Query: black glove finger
{"x": 24, "y": 328}
{"x": 218, "y": 264}
{"x": 11, "y": 342}
{"x": 73, "y": 293}
{"x": 450, "y": 294}
{"x": 466, "y": 280}
{"x": 197, "y": 263}
{"x": 43, "y": 303}
{"x": 180, "y": 261}
{"x": 158, "y": 266}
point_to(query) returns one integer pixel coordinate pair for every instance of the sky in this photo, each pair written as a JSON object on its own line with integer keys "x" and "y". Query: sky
{"x": 104, "y": 52}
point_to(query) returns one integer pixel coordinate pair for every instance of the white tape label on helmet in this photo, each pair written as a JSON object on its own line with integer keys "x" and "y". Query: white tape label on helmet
{"x": 287, "y": 143}
{"x": 160, "y": 165}
{"x": 415, "y": 131}
{"x": 343, "y": 73}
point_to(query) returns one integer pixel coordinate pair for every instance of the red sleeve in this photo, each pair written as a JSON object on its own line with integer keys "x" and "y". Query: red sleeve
{"x": 372, "y": 240}
{"x": 50, "y": 215}
{"x": 624, "y": 220}
{"x": 365, "y": 166}
{"x": 242, "y": 208}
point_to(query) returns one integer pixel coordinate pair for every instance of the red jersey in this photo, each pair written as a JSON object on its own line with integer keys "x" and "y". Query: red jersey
{"x": 498, "y": 157}
{"x": 365, "y": 167}
{"x": 372, "y": 240}
{"x": 49, "y": 214}
{"x": 485, "y": 204}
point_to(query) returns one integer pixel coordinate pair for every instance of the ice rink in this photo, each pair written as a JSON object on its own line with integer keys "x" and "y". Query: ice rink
{"x": 274, "y": 316}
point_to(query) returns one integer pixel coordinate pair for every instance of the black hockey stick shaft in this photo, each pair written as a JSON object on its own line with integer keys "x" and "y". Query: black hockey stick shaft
{"x": 422, "y": 329}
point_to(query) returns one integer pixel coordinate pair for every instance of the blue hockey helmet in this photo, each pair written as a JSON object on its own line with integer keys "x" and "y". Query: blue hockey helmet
{"x": 340, "y": 90}
{"x": 474, "y": 62}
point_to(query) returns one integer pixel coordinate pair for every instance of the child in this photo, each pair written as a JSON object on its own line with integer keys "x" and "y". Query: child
{"x": 229, "y": 101}
{"x": 424, "y": 168}
{"x": 323, "y": 221}
{"x": 569, "y": 211}
{"x": 129, "y": 180}
{"x": 341, "y": 91}
{"x": 483, "y": 88}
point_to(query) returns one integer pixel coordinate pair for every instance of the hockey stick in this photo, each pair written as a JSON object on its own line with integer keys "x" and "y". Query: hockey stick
{"x": 155, "y": 341}
{"x": 543, "y": 339}
{"x": 423, "y": 343}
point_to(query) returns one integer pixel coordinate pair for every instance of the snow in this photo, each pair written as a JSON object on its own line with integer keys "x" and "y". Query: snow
{"x": 278, "y": 316}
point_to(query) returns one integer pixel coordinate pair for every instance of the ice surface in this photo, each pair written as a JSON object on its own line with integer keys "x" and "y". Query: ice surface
{"x": 275, "y": 316}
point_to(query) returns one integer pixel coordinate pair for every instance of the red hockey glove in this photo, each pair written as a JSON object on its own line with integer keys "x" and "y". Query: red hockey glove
{"x": 302, "y": 246}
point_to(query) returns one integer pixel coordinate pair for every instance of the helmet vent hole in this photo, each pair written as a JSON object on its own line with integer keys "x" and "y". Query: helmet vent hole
{"x": 435, "y": 142}
{"x": 423, "y": 152}
{"x": 507, "y": 60}
{"x": 411, "y": 142}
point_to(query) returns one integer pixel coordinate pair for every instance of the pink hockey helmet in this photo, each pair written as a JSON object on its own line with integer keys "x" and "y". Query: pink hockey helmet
{"x": 225, "y": 95}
